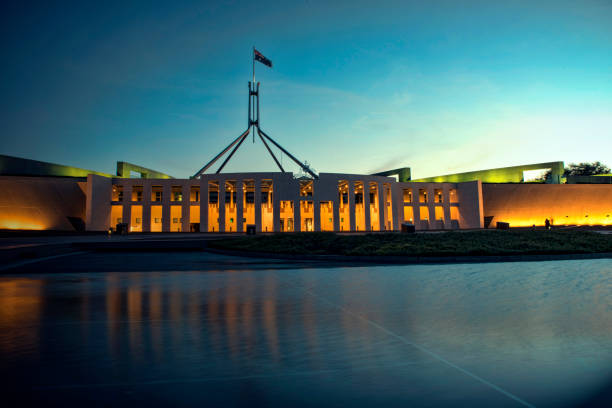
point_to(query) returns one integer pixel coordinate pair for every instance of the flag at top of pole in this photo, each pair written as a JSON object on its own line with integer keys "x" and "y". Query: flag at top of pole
{"x": 259, "y": 57}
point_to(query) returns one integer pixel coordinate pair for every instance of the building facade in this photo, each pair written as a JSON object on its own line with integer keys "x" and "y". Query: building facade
{"x": 278, "y": 202}
{"x": 45, "y": 196}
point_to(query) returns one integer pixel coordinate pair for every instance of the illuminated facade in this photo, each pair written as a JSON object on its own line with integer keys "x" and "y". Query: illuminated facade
{"x": 278, "y": 202}
{"x": 53, "y": 197}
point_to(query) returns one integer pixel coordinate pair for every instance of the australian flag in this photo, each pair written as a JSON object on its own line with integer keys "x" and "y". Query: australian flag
{"x": 259, "y": 57}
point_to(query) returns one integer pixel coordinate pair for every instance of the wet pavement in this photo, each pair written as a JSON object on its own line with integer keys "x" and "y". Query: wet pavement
{"x": 198, "y": 329}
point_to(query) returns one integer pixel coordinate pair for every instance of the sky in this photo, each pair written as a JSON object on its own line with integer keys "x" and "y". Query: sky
{"x": 356, "y": 87}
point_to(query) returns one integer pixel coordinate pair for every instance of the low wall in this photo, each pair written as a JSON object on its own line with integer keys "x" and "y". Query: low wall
{"x": 524, "y": 205}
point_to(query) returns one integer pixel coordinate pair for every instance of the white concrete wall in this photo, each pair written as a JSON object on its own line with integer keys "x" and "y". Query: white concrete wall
{"x": 97, "y": 207}
{"x": 286, "y": 188}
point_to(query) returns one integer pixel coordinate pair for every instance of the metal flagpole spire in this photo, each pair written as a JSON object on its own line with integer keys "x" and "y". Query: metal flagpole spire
{"x": 253, "y": 96}
{"x": 253, "y": 124}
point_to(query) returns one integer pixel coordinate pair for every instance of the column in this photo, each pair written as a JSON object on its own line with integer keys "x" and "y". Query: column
{"x": 382, "y": 206}
{"x": 397, "y": 194}
{"x": 316, "y": 209}
{"x": 239, "y": 205}
{"x": 127, "y": 205}
{"x": 221, "y": 201}
{"x": 166, "y": 193}
{"x": 257, "y": 207}
{"x": 297, "y": 216}
{"x": 431, "y": 199}
{"x": 185, "y": 210}
{"x": 366, "y": 205}
{"x": 276, "y": 207}
{"x": 446, "y": 205}
{"x": 336, "y": 211}
{"x": 203, "y": 205}
{"x": 351, "y": 204}
{"x": 146, "y": 206}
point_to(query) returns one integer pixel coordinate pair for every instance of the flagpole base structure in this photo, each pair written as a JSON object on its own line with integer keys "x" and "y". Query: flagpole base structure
{"x": 253, "y": 125}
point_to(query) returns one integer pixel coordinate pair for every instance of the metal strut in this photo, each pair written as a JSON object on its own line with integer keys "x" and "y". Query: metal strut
{"x": 253, "y": 123}
{"x": 210, "y": 163}
{"x": 269, "y": 150}
{"x": 232, "y": 153}
{"x": 299, "y": 163}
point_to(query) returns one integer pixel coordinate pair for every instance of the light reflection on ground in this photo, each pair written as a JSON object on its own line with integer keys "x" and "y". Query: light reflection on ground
{"x": 507, "y": 334}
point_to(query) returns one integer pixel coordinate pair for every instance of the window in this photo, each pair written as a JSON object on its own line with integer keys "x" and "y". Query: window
{"x": 424, "y": 213}
{"x": 408, "y": 214}
{"x": 305, "y": 188}
{"x": 422, "y": 195}
{"x": 137, "y": 193}
{"x": 453, "y": 196}
{"x": 454, "y": 213}
{"x": 156, "y": 218}
{"x": 438, "y": 195}
{"x": 117, "y": 193}
{"x": 213, "y": 197}
{"x": 156, "y": 193}
{"x": 194, "y": 194}
{"x": 177, "y": 193}
{"x": 407, "y": 195}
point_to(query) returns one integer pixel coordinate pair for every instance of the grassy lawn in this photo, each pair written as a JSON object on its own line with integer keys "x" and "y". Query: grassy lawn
{"x": 439, "y": 244}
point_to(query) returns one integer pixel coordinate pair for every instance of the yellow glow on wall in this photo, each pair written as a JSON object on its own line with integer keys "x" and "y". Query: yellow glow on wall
{"x": 21, "y": 224}
{"x": 424, "y": 213}
{"x": 116, "y": 216}
{"x": 524, "y": 205}
{"x": 286, "y": 216}
{"x": 156, "y": 218}
{"x": 439, "y": 213}
{"x": 454, "y": 213}
{"x": 306, "y": 215}
{"x": 408, "y": 214}
{"x": 194, "y": 214}
{"x": 176, "y": 220}
{"x": 512, "y": 174}
{"x": 327, "y": 216}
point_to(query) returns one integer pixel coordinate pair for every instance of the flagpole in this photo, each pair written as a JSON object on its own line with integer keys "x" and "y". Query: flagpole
{"x": 253, "y": 88}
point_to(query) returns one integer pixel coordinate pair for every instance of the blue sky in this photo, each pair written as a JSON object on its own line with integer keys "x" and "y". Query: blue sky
{"x": 356, "y": 87}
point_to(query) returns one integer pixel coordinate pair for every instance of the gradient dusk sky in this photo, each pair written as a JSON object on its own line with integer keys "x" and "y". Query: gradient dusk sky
{"x": 357, "y": 87}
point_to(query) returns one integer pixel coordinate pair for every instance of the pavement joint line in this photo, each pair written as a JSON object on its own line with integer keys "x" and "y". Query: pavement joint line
{"x": 31, "y": 261}
{"x": 423, "y": 349}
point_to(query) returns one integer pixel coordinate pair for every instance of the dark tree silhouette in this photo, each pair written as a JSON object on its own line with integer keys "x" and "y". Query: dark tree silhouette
{"x": 580, "y": 169}
{"x": 586, "y": 169}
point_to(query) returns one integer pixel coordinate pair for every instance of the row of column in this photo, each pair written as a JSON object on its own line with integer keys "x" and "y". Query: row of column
{"x": 186, "y": 204}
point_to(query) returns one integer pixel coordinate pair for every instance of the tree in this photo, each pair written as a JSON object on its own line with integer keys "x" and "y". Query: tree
{"x": 586, "y": 169}
{"x": 580, "y": 169}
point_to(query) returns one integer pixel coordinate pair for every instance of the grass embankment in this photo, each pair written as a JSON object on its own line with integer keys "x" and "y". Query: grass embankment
{"x": 441, "y": 244}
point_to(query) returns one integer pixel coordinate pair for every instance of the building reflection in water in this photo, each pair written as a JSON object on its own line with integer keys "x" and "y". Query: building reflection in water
{"x": 148, "y": 310}
{"x": 21, "y": 307}
{"x": 269, "y": 313}
{"x": 156, "y": 316}
{"x": 113, "y": 311}
{"x": 134, "y": 309}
